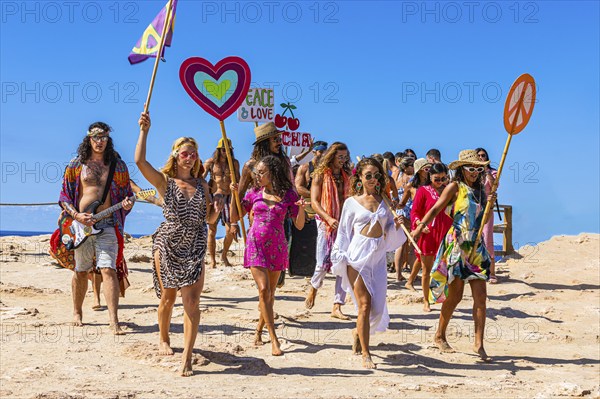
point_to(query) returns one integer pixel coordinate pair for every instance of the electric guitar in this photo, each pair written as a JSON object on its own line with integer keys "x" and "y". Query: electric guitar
{"x": 74, "y": 233}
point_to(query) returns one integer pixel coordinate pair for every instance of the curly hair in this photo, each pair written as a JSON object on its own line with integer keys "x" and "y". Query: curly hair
{"x": 279, "y": 178}
{"x": 478, "y": 185}
{"x": 170, "y": 168}
{"x": 262, "y": 149}
{"x": 328, "y": 158}
{"x": 84, "y": 151}
{"x": 354, "y": 189}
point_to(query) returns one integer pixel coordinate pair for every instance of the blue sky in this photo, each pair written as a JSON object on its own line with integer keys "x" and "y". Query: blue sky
{"x": 377, "y": 75}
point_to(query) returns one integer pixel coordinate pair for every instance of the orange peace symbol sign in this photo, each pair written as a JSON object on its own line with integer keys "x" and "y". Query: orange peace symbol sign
{"x": 519, "y": 104}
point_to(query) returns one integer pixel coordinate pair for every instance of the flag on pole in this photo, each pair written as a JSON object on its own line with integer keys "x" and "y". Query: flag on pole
{"x": 147, "y": 46}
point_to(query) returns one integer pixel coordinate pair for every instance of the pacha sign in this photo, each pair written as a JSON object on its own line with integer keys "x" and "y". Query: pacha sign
{"x": 295, "y": 139}
{"x": 258, "y": 106}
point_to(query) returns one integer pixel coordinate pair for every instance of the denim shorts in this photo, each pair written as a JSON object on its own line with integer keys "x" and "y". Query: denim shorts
{"x": 104, "y": 245}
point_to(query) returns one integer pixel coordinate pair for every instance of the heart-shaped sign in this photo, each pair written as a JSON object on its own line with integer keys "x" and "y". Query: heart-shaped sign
{"x": 219, "y": 89}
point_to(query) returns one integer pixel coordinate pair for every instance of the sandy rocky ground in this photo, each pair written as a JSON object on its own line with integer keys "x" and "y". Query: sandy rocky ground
{"x": 543, "y": 331}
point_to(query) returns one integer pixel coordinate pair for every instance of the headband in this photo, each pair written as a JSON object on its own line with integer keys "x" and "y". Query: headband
{"x": 320, "y": 148}
{"x": 96, "y": 131}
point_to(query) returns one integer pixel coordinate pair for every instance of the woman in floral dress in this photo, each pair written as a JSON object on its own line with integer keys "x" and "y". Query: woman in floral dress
{"x": 454, "y": 265}
{"x": 266, "y": 253}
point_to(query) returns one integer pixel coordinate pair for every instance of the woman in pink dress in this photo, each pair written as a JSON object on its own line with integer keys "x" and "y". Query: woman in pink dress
{"x": 488, "y": 228}
{"x": 433, "y": 234}
{"x": 266, "y": 253}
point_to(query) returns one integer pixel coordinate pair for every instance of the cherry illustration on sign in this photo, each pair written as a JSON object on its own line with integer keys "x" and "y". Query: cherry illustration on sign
{"x": 281, "y": 121}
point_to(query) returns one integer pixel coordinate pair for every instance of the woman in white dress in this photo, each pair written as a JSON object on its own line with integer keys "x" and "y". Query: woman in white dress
{"x": 367, "y": 230}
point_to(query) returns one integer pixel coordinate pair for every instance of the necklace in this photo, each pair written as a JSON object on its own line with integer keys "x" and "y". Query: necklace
{"x": 337, "y": 177}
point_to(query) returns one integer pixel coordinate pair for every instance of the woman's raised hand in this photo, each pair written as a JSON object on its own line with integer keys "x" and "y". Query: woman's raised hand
{"x": 144, "y": 122}
{"x": 234, "y": 187}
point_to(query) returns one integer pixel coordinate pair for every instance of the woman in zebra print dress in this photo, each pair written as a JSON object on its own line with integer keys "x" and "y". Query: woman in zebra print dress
{"x": 179, "y": 243}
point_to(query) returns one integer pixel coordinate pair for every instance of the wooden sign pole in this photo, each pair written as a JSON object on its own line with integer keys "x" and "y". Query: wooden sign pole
{"x": 236, "y": 195}
{"x": 166, "y": 28}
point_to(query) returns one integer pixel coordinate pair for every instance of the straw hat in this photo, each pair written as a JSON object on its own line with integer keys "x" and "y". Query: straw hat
{"x": 266, "y": 131}
{"x": 222, "y": 143}
{"x": 420, "y": 164}
{"x": 467, "y": 157}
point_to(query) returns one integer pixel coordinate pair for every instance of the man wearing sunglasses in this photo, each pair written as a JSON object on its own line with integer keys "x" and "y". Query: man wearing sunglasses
{"x": 97, "y": 170}
{"x": 219, "y": 183}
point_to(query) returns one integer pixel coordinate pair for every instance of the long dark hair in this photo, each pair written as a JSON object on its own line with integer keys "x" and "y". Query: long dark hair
{"x": 416, "y": 181}
{"x": 84, "y": 151}
{"x": 280, "y": 180}
{"x": 487, "y": 156}
{"x": 262, "y": 150}
{"x": 354, "y": 189}
{"x": 217, "y": 154}
{"x": 478, "y": 185}
{"x": 435, "y": 169}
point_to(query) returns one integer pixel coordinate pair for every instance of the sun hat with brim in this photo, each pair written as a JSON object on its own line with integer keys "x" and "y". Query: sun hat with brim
{"x": 467, "y": 157}
{"x": 221, "y": 143}
{"x": 266, "y": 131}
{"x": 420, "y": 164}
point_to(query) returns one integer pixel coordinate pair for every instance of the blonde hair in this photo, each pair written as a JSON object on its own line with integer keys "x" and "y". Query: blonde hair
{"x": 170, "y": 168}
{"x": 328, "y": 158}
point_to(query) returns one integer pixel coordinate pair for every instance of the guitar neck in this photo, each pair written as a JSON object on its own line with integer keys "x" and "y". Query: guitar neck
{"x": 108, "y": 211}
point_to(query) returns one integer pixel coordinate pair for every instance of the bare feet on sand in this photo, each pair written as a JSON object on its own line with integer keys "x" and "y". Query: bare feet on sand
{"x": 482, "y": 353}
{"x": 97, "y": 307}
{"x": 258, "y": 338}
{"x": 116, "y": 329}
{"x": 337, "y": 313}
{"x": 310, "y": 298}
{"x": 443, "y": 345}
{"x": 409, "y": 286}
{"x": 368, "y": 362}
{"x": 226, "y": 261}
{"x": 276, "y": 348}
{"x": 77, "y": 320}
{"x": 186, "y": 369}
{"x": 356, "y": 347}
{"x": 426, "y": 307}
{"x": 164, "y": 349}
{"x": 213, "y": 263}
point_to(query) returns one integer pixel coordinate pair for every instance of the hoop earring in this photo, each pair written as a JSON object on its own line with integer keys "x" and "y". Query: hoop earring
{"x": 378, "y": 188}
{"x": 359, "y": 186}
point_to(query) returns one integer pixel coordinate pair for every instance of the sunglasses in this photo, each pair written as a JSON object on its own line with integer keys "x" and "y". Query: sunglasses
{"x": 277, "y": 139}
{"x": 188, "y": 155}
{"x": 369, "y": 176}
{"x": 259, "y": 173}
{"x": 100, "y": 139}
{"x": 343, "y": 158}
{"x": 472, "y": 169}
{"x": 439, "y": 179}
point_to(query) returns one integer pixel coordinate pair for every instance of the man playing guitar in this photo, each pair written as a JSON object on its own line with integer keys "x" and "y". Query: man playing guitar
{"x": 84, "y": 183}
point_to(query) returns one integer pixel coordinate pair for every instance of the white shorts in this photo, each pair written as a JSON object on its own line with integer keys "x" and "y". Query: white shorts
{"x": 104, "y": 246}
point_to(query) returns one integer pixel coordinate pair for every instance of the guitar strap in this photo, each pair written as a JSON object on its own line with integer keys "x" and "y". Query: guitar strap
{"x": 111, "y": 173}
